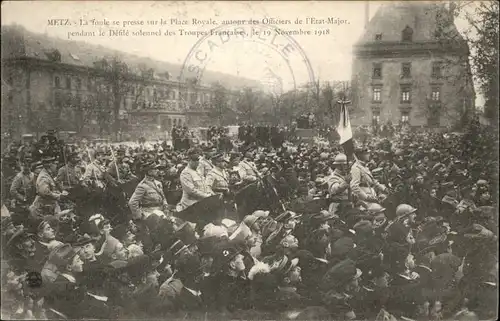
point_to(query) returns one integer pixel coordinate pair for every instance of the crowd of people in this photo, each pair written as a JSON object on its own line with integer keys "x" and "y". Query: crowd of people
{"x": 181, "y": 137}
{"x": 406, "y": 229}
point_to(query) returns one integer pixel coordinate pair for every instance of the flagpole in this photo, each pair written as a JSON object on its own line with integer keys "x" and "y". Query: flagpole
{"x": 345, "y": 125}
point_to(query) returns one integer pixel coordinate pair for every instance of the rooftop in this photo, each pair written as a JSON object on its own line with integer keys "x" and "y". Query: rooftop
{"x": 17, "y": 42}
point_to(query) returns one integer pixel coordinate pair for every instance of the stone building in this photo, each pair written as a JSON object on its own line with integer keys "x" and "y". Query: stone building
{"x": 76, "y": 86}
{"x": 411, "y": 65}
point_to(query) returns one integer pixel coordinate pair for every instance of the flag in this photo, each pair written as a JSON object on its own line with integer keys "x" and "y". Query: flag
{"x": 344, "y": 130}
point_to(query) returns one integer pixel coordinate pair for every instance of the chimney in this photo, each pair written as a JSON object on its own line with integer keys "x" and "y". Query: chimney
{"x": 367, "y": 13}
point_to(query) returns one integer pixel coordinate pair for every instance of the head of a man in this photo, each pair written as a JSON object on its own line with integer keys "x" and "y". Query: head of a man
{"x": 45, "y": 232}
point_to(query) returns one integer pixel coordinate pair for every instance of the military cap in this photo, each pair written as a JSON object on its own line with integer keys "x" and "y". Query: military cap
{"x": 323, "y": 216}
{"x": 250, "y": 220}
{"x": 193, "y": 154}
{"x": 482, "y": 182}
{"x": 48, "y": 160}
{"x": 149, "y": 165}
{"x": 219, "y": 158}
{"x": 260, "y": 213}
{"x": 83, "y": 240}
{"x": 36, "y": 165}
{"x": 286, "y": 216}
{"x": 41, "y": 224}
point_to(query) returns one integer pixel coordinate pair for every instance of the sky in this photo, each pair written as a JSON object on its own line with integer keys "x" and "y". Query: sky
{"x": 329, "y": 56}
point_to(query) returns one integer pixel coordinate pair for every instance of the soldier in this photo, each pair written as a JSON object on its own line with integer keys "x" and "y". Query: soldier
{"x": 338, "y": 182}
{"x": 124, "y": 173}
{"x": 94, "y": 172}
{"x": 206, "y": 164}
{"x": 69, "y": 175}
{"x": 45, "y": 242}
{"x": 363, "y": 185}
{"x": 193, "y": 185}
{"x": 217, "y": 179}
{"x": 148, "y": 197}
{"x": 247, "y": 170}
{"x": 23, "y": 189}
{"x": 48, "y": 194}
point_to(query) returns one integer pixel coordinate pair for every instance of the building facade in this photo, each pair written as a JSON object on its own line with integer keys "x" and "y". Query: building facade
{"x": 411, "y": 66}
{"x": 49, "y": 83}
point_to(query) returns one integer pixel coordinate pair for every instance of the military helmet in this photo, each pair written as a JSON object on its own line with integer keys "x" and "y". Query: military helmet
{"x": 375, "y": 208}
{"x": 340, "y": 159}
{"x": 405, "y": 209}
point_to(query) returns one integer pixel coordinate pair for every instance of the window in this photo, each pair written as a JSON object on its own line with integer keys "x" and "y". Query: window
{"x": 172, "y": 94}
{"x": 57, "y": 82}
{"x": 405, "y": 117}
{"x": 377, "y": 94}
{"x": 79, "y": 84}
{"x": 435, "y": 93}
{"x": 10, "y": 80}
{"x": 377, "y": 71}
{"x": 407, "y": 34}
{"x": 378, "y": 36}
{"x": 68, "y": 83}
{"x": 375, "y": 118}
{"x": 436, "y": 69}
{"x": 406, "y": 70}
{"x": 405, "y": 94}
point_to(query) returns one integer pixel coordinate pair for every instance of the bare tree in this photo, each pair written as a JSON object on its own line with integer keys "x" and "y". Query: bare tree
{"x": 219, "y": 103}
{"x": 246, "y": 103}
{"x": 481, "y": 62}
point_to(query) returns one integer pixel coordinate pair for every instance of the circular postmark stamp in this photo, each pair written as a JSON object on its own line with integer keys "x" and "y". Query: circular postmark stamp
{"x": 261, "y": 52}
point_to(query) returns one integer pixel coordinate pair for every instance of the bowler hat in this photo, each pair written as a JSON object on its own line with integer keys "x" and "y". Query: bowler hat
{"x": 62, "y": 255}
{"x": 18, "y": 236}
{"x": 340, "y": 274}
{"x": 224, "y": 253}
